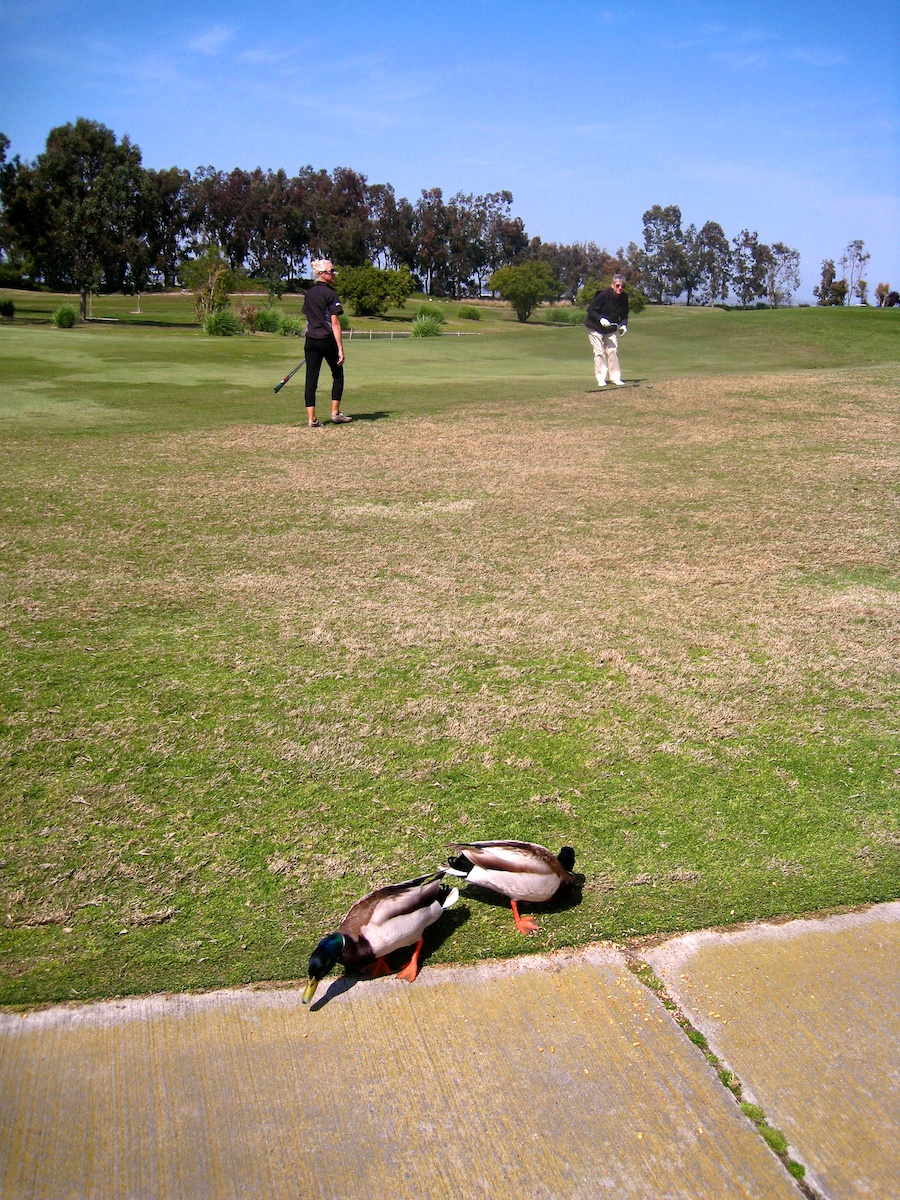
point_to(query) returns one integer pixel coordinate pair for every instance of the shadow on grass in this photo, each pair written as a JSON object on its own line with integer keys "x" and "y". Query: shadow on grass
{"x": 566, "y": 898}
{"x": 378, "y": 414}
{"x": 611, "y": 388}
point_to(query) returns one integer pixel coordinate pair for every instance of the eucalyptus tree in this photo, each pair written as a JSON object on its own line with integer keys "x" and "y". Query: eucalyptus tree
{"x": 705, "y": 263}
{"x": 830, "y": 292}
{"x": 750, "y": 262}
{"x": 217, "y": 214}
{"x": 340, "y": 227}
{"x": 432, "y": 229}
{"x": 662, "y": 262}
{"x": 167, "y": 222}
{"x": 505, "y": 239}
{"x": 782, "y": 274}
{"x": 854, "y": 261}
{"x": 73, "y": 210}
{"x": 466, "y": 248}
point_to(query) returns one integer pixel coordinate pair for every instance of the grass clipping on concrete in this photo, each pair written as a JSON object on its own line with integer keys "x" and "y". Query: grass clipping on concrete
{"x": 251, "y": 673}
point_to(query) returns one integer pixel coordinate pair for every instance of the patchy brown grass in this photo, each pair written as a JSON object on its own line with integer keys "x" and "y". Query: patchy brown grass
{"x": 423, "y": 610}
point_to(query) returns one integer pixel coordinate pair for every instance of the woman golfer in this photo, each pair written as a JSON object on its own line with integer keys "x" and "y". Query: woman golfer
{"x": 322, "y": 310}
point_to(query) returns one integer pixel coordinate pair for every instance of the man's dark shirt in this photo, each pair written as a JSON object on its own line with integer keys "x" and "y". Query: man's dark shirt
{"x": 607, "y": 304}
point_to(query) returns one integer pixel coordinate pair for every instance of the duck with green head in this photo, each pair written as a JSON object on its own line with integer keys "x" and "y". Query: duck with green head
{"x": 386, "y": 920}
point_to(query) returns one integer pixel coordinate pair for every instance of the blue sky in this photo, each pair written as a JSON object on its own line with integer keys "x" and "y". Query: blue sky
{"x": 779, "y": 117}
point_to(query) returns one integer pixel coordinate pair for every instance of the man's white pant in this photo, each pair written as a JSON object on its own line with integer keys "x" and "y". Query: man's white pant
{"x": 606, "y": 356}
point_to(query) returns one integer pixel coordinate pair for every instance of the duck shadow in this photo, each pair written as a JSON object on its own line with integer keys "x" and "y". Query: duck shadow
{"x": 565, "y": 899}
{"x": 434, "y": 937}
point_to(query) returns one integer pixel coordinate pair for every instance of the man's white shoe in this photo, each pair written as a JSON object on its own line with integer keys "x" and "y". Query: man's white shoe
{"x": 601, "y": 383}
{"x": 618, "y": 383}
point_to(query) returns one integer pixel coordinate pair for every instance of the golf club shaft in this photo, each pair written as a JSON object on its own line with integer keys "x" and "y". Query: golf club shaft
{"x": 279, "y": 386}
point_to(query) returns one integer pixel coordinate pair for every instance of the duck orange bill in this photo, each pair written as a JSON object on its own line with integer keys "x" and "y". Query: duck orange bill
{"x": 310, "y": 990}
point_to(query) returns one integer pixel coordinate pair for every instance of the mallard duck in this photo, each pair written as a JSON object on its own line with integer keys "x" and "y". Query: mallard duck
{"x": 519, "y": 870}
{"x": 384, "y": 921}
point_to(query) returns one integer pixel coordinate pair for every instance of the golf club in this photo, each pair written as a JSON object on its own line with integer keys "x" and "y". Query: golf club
{"x": 279, "y": 386}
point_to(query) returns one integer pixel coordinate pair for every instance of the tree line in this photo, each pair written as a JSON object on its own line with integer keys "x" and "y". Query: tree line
{"x": 87, "y": 215}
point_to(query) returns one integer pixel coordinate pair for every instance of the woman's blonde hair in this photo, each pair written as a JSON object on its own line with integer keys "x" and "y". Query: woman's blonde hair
{"x": 320, "y": 266}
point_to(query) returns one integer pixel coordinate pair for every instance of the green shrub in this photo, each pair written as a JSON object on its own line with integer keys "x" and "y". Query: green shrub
{"x": 371, "y": 291}
{"x": 268, "y": 320}
{"x": 565, "y": 316}
{"x": 222, "y": 322}
{"x": 430, "y": 310}
{"x": 468, "y": 312}
{"x": 65, "y": 317}
{"x": 290, "y": 326}
{"x": 344, "y": 321}
{"x": 526, "y": 286}
{"x": 7, "y": 309}
{"x": 248, "y": 314}
{"x": 211, "y": 280}
{"x": 426, "y": 325}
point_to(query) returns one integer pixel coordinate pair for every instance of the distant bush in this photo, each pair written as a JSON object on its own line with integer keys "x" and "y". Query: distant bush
{"x": 65, "y": 317}
{"x": 468, "y": 312}
{"x": 344, "y": 321}
{"x": 211, "y": 280}
{"x": 268, "y": 320}
{"x": 290, "y": 326}
{"x": 565, "y": 316}
{"x": 371, "y": 291}
{"x": 7, "y": 309}
{"x": 430, "y": 310}
{"x": 248, "y": 314}
{"x": 222, "y": 322}
{"x": 426, "y": 325}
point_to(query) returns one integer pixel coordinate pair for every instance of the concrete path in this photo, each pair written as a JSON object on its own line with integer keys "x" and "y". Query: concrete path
{"x": 546, "y": 1077}
{"x": 807, "y": 1014}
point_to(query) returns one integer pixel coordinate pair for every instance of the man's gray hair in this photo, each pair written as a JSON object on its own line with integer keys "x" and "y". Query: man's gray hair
{"x": 618, "y": 278}
{"x": 320, "y": 266}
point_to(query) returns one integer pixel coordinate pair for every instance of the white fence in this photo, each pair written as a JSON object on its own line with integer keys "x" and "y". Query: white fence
{"x": 372, "y": 335}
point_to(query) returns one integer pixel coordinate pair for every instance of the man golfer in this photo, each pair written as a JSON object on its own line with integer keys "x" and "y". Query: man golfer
{"x": 322, "y": 310}
{"x": 606, "y": 319}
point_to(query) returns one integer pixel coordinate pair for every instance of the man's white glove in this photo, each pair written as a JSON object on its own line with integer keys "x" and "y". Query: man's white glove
{"x": 604, "y": 323}
{"x": 623, "y": 329}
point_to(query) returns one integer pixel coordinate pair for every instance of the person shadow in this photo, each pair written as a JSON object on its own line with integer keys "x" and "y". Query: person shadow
{"x": 626, "y": 383}
{"x": 378, "y": 414}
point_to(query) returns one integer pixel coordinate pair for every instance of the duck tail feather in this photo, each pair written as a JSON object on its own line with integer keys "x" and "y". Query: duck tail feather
{"x": 459, "y": 865}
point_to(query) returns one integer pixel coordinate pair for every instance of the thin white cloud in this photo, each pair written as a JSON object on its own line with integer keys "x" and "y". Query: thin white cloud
{"x": 212, "y": 42}
{"x": 817, "y": 56}
{"x": 734, "y": 60}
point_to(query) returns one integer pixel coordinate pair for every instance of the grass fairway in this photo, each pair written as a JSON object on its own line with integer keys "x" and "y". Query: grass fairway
{"x": 249, "y": 672}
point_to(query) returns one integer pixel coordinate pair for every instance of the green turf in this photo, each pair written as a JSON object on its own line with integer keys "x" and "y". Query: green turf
{"x": 248, "y": 672}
